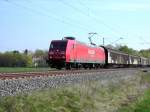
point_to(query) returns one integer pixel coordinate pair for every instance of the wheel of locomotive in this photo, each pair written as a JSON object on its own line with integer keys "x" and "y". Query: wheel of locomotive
{"x": 68, "y": 66}
{"x": 90, "y": 66}
{"x": 76, "y": 66}
{"x": 96, "y": 66}
{"x": 85, "y": 66}
{"x": 59, "y": 67}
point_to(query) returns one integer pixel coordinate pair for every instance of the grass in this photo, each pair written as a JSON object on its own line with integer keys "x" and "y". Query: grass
{"x": 94, "y": 96}
{"x": 142, "y": 104}
{"x": 47, "y": 101}
{"x": 146, "y": 78}
{"x": 21, "y": 69}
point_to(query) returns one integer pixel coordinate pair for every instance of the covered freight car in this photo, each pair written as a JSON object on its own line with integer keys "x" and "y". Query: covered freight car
{"x": 116, "y": 58}
{"x": 135, "y": 61}
{"x": 148, "y": 62}
{"x": 70, "y": 53}
{"x": 145, "y": 61}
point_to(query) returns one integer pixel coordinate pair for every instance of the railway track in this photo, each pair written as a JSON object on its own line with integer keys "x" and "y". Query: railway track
{"x": 4, "y": 76}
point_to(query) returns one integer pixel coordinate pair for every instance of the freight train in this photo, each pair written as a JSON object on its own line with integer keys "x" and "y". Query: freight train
{"x": 69, "y": 53}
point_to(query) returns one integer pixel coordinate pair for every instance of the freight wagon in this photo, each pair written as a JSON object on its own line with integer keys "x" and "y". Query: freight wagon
{"x": 116, "y": 58}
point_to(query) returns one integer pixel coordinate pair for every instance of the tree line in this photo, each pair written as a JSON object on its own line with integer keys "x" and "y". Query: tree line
{"x": 24, "y": 59}
{"x": 143, "y": 53}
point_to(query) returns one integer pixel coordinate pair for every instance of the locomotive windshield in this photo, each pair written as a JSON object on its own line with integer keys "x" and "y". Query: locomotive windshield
{"x": 58, "y": 45}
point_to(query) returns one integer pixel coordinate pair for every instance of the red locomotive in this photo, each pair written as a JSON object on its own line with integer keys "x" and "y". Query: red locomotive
{"x": 70, "y": 53}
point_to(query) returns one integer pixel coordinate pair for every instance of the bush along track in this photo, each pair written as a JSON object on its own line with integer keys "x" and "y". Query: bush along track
{"x": 125, "y": 94}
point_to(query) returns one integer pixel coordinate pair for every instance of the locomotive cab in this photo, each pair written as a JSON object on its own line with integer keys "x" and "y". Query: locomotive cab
{"x": 57, "y": 53}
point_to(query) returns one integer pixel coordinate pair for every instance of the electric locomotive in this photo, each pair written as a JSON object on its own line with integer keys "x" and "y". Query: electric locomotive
{"x": 69, "y": 53}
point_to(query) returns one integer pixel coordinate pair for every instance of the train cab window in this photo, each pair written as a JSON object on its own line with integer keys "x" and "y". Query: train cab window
{"x": 60, "y": 45}
{"x": 51, "y": 46}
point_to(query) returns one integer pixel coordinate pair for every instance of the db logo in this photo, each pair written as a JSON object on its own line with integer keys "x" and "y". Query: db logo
{"x": 91, "y": 51}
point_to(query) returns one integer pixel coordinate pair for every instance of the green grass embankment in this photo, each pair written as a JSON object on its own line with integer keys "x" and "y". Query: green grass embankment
{"x": 142, "y": 103}
{"x": 21, "y": 69}
{"x": 122, "y": 96}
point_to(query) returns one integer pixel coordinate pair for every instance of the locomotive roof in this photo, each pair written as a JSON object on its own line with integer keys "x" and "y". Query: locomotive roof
{"x": 77, "y": 42}
{"x": 87, "y": 44}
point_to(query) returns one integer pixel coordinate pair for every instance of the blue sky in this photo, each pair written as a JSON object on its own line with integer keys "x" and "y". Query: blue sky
{"x": 32, "y": 24}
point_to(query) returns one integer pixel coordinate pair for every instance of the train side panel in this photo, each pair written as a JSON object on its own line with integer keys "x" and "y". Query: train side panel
{"x": 70, "y": 50}
{"x": 134, "y": 60}
{"x": 81, "y": 53}
{"x": 148, "y": 61}
{"x": 116, "y": 58}
{"x": 144, "y": 61}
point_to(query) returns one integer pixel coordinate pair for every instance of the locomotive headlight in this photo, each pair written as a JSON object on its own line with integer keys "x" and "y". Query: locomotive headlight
{"x": 63, "y": 57}
{"x": 62, "y": 52}
{"x": 51, "y": 52}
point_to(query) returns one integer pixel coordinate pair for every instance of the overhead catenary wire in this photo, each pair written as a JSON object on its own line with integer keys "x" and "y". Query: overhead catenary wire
{"x": 92, "y": 17}
{"x": 144, "y": 41}
{"x": 52, "y": 15}
{"x": 46, "y": 15}
{"x": 92, "y": 12}
{"x": 72, "y": 21}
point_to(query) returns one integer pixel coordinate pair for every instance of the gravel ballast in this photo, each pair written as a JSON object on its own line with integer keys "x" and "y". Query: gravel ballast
{"x": 17, "y": 86}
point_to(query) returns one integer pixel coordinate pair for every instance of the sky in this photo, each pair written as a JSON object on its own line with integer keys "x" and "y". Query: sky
{"x": 33, "y": 24}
